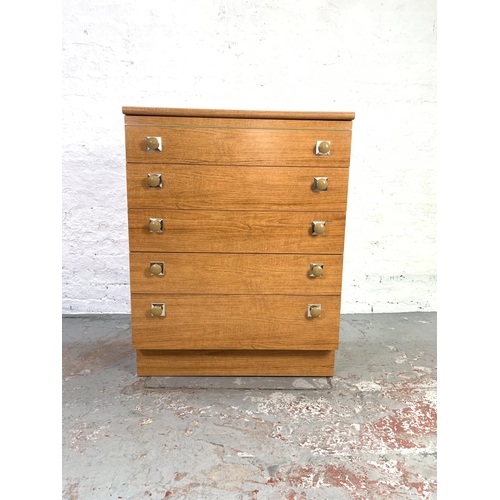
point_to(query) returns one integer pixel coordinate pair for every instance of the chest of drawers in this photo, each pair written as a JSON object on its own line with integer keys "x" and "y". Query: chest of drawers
{"x": 236, "y": 236}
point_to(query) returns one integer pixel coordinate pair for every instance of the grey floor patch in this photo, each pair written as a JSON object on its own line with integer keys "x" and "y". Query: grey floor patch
{"x": 259, "y": 383}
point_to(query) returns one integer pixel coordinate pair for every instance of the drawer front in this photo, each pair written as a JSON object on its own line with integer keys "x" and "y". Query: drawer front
{"x": 185, "y": 273}
{"x": 236, "y": 188}
{"x": 235, "y": 232}
{"x": 237, "y": 146}
{"x": 272, "y": 322}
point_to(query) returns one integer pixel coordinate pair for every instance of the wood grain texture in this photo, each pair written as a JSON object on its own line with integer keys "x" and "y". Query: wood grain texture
{"x": 236, "y": 274}
{"x": 169, "y": 121}
{"x": 236, "y": 232}
{"x": 237, "y": 204}
{"x": 236, "y": 188}
{"x": 228, "y": 146}
{"x": 262, "y": 322}
{"x": 235, "y": 363}
{"x": 227, "y": 113}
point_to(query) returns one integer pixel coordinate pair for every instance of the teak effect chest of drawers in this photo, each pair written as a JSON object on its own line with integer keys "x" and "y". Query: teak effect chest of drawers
{"x": 236, "y": 230}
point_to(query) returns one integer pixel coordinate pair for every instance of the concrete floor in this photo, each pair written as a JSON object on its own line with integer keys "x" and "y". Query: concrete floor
{"x": 367, "y": 433}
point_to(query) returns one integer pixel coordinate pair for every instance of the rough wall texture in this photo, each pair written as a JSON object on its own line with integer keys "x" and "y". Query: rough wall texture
{"x": 375, "y": 58}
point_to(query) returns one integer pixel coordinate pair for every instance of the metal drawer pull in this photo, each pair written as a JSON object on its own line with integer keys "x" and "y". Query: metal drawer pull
{"x": 157, "y": 268}
{"x": 153, "y": 143}
{"x": 314, "y": 310}
{"x": 316, "y": 270}
{"x": 318, "y": 228}
{"x": 158, "y": 310}
{"x": 156, "y": 225}
{"x": 155, "y": 181}
{"x": 321, "y": 184}
{"x": 323, "y": 148}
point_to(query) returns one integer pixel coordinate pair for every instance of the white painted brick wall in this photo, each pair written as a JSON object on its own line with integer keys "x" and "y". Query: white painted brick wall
{"x": 375, "y": 58}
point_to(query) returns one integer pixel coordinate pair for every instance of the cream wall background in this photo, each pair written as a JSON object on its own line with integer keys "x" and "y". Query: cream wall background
{"x": 377, "y": 59}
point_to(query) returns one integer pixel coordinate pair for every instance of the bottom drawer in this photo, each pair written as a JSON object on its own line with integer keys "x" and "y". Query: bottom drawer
{"x": 271, "y": 322}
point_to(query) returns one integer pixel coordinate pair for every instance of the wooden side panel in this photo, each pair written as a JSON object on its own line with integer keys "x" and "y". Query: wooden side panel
{"x": 236, "y": 232}
{"x": 236, "y": 363}
{"x": 236, "y": 188}
{"x": 262, "y": 322}
{"x": 229, "y": 146}
{"x": 235, "y": 274}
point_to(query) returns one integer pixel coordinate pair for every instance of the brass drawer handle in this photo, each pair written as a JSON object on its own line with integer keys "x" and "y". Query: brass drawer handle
{"x": 158, "y": 310}
{"x": 153, "y": 143}
{"x": 314, "y": 310}
{"x": 155, "y": 181}
{"x": 316, "y": 270}
{"x": 321, "y": 184}
{"x": 318, "y": 228}
{"x": 157, "y": 268}
{"x": 156, "y": 225}
{"x": 323, "y": 148}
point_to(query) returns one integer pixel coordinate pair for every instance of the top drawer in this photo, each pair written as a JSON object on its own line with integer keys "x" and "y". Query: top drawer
{"x": 219, "y": 145}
